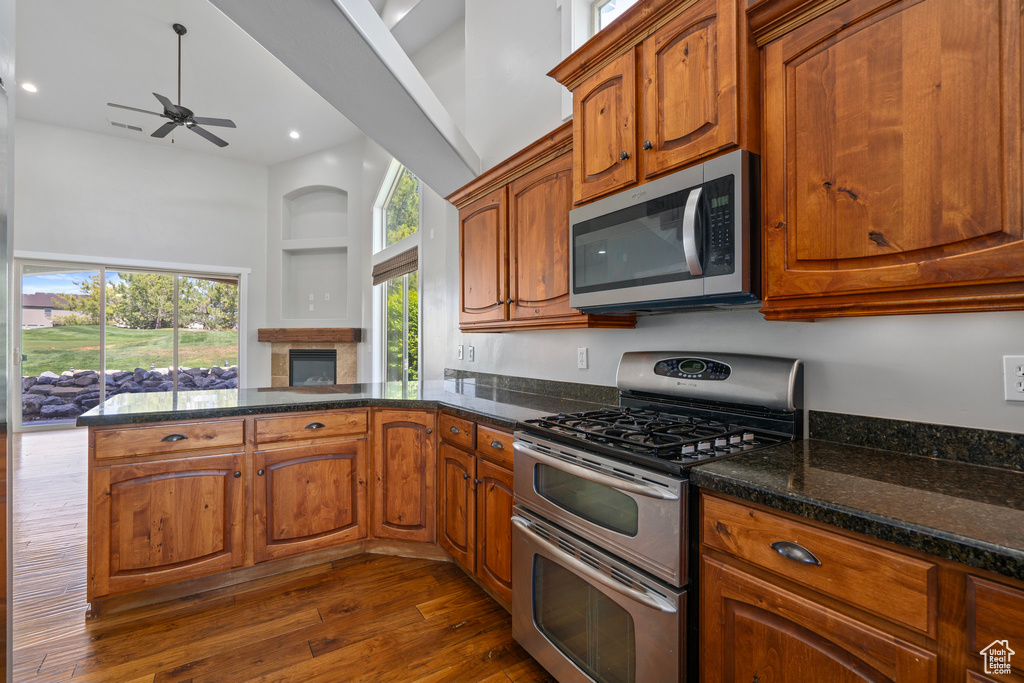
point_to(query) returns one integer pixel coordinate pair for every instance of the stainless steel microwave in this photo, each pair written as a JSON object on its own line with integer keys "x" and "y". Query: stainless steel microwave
{"x": 690, "y": 239}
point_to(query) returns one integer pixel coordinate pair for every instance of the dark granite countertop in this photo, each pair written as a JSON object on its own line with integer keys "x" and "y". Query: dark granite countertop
{"x": 499, "y": 407}
{"x": 962, "y": 512}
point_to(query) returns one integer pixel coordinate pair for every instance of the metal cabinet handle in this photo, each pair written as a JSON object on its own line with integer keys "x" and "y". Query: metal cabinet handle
{"x": 624, "y": 156}
{"x": 498, "y": 302}
{"x": 690, "y": 234}
{"x": 478, "y": 481}
{"x": 429, "y": 430}
{"x": 465, "y": 476}
{"x": 795, "y": 552}
{"x": 315, "y": 425}
{"x": 453, "y": 430}
{"x": 497, "y": 445}
{"x": 653, "y": 600}
{"x": 174, "y": 437}
{"x": 237, "y": 475}
{"x": 259, "y": 472}
{"x": 648, "y": 145}
{"x": 596, "y": 477}
{"x": 510, "y": 300}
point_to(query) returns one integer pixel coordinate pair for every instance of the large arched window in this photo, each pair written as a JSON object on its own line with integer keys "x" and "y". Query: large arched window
{"x": 396, "y": 269}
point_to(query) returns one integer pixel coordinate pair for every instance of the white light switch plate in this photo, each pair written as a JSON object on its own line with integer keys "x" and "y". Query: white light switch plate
{"x": 472, "y": 354}
{"x": 1013, "y": 378}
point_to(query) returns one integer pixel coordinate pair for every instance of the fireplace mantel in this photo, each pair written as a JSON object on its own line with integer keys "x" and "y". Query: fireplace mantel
{"x": 325, "y": 335}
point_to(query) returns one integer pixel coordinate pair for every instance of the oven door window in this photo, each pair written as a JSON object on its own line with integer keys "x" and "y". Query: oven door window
{"x": 596, "y": 503}
{"x": 587, "y": 626}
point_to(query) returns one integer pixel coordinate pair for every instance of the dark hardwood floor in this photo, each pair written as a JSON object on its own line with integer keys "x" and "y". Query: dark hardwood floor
{"x": 362, "y": 618}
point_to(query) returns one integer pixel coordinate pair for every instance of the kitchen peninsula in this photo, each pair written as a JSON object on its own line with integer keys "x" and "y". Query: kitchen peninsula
{"x": 289, "y": 477}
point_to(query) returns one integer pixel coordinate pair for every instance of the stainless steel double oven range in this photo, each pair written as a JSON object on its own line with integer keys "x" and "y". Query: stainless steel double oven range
{"x": 601, "y": 524}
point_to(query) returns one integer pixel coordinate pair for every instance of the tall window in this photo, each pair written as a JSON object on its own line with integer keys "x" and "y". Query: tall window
{"x": 607, "y": 11}
{"x": 396, "y": 267}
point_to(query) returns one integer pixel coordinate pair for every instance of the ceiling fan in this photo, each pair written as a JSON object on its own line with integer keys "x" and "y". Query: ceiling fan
{"x": 179, "y": 115}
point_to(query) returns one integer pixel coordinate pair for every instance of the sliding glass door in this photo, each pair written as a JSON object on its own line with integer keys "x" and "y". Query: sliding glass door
{"x": 109, "y": 332}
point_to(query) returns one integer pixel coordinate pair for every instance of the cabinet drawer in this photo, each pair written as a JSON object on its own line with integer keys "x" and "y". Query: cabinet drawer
{"x": 169, "y": 438}
{"x": 995, "y": 613}
{"x": 457, "y": 431}
{"x": 310, "y": 426}
{"x": 894, "y": 586}
{"x": 495, "y": 446}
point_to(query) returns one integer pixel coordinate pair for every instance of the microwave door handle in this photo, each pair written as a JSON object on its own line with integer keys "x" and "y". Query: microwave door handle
{"x": 652, "y": 600}
{"x": 690, "y": 233}
{"x": 596, "y": 477}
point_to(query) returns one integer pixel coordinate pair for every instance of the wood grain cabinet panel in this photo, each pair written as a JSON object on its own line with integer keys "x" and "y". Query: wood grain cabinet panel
{"x": 689, "y": 73}
{"x": 538, "y": 242}
{"x": 483, "y": 259}
{"x": 320, "y": 425}
{"x": 168, "y": 438}
{"x": 994, "y": 613}
{"x": 604, "y": 129}
{"x": 157, "y": 523}
{"x": 892, "y": 160}
{"x": 494, "y": 528}
{"x": 309, "y": 498}
{"x": 752, "y": 630}
{"x": 404, "y": 470}
{"x": 457, "y": 504}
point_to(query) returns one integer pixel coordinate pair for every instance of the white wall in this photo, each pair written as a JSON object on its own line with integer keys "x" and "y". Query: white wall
{"x": 932, "y": 368}
{"x": 104, "y": 198}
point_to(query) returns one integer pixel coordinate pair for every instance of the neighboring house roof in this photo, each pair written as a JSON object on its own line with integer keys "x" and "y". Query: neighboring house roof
{"x": 47, "y": 300}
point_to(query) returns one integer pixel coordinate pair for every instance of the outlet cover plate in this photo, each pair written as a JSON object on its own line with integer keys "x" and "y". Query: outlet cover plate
{"x": 1013, "y": 378}
{"x": 581, "y": 358}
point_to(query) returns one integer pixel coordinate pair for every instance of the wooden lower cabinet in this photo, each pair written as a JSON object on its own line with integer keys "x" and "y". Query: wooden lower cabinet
{"x": 160, "y": 522}
{"x": 752, "y": 630}
{"x": 404, "y": 469}
{"x": 494, "y": 528}
{"x": 309, "y": 498}
{"x": 475, "y": 510}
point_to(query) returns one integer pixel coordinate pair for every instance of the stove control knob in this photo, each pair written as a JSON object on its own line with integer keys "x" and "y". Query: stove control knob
{"x": 735, "y": 439}
{"x": 748, "y": 436}
{"x": 704, "y": 446}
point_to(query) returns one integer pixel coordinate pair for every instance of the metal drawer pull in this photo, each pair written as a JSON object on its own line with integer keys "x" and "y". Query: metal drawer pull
{"x": 315, "y": 425}
{"x": 795, "y": 552}
{"x": 465, "y": 476}
{"x": 237, "y": 475}
{"x": 174, "y": 437}
{"x": 596, "y": 477}
{"x": 652, "y": 600}
{"x": 259, "y": 472}
{"x": 453, "y": 430}
{"x": 497, "y": 445}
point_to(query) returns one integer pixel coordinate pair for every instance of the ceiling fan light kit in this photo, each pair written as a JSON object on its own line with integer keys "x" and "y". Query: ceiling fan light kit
{"x": 178, "y": 115}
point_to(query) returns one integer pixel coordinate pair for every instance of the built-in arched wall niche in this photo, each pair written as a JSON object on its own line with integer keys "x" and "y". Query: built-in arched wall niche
{"x": 315, "y": 212}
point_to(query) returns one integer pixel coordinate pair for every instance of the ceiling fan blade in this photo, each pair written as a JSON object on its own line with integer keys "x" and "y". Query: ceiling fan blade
{"x": 168, "y": 105}
{"x": 208, "y": 135}
{"x": 142, "y": 111}
{"x": 227, "y": 123}
{"x": 163, "y": 130}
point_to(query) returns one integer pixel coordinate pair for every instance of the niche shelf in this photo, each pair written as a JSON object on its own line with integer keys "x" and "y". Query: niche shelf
{"x": 320, "y": 273}
{"x": 315, "y": 212}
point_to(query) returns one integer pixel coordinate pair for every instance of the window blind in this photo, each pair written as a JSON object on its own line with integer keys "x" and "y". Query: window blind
{"x": 396, "y": 266}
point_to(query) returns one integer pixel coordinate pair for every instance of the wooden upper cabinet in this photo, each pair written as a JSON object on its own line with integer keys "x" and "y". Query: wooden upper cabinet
{"x": 308, "y": 498}
{"x": 538, "y": 241}
{"x": 892, "y": 160}
{"x": 604, "y": 133}
{"x": 157, "y": 523}
{"x": 483, "y": 260}
{"x": 689, "y": 71}
{"x": 404, "y": 470}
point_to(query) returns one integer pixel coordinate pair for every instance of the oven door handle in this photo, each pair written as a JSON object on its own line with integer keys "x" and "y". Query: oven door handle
{"x": 652, "y": 600}
{"x": 690, "y": 233}
{"x": 596, "y": 477}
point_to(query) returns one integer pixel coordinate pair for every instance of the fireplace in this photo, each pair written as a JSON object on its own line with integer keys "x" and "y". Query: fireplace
{"x": 312, "y": 366}
{"x": 341, "y": 341}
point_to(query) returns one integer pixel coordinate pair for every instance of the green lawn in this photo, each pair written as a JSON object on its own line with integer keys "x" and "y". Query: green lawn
{"x": 58, "y": 348}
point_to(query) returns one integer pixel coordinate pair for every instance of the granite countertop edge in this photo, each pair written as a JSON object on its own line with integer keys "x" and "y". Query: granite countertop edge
{"x": 933, "y": 541}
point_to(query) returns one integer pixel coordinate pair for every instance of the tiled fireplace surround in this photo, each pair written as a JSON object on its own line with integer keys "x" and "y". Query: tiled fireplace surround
{"x": 343, "y": 339}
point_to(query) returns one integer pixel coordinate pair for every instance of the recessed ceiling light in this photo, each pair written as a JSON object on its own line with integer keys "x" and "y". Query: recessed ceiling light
{"x": 29, "y": 87}
{"x": 294, "y": 135}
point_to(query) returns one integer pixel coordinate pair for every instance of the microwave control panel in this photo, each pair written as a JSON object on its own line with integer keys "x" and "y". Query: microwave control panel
{"x": 720, "y": 207}
{"x": 692, "y": 368}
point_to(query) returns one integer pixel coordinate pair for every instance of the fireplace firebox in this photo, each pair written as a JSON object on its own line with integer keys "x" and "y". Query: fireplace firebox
{"x": 312, "y": 366}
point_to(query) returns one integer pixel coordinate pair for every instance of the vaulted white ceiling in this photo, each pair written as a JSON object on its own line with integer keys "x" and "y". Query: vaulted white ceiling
{"x": 83, "y": 54}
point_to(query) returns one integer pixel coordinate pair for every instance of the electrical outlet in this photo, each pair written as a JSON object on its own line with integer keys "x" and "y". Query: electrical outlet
{"x": 311, "y": 307}
{"x": 311, "y": 297}
{"x": 460, "y": 351}
{"x": 1013, "y": 378}
{"x": 327, "y": 296}
{"x": 472, "y": 354}
{"x": 581, "y": 358}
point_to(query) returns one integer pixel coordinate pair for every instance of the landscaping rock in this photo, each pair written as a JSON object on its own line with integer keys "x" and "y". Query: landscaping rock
{"x": 66, "y": 381}
{"x": 68, "y": 393}
{"x": 30, "y": 404}
{"x": 53, "y": 401}
{"x": 140, "y": 374}
{"x": 42, "y": 379}
{"x": 216, "y": 370}
{"x": 85, "y": 373}
{"x": 194, "y": 372}
{"x": 82, "y": 399}
{"x": 186, "y": 380}
{"x": 47, "y": 375}
{"x": 147, "y": 383}
{"x": 27, "y": 383}
{"x": 230, "y": 374}
{"x": 88, "y": 405}
{"x": 41, "y": 389}
{"x": 86, "y": 380}
{"x": 61, "y": 412}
